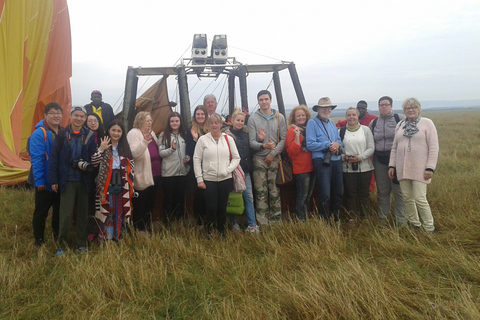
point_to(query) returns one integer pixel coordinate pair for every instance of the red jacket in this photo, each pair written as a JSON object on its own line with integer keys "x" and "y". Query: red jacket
{"x": 301, "y": 161}
{"x": 365, "y": 121}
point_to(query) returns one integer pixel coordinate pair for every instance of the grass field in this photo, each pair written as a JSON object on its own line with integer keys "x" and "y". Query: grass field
{"x": 290, "y": 271}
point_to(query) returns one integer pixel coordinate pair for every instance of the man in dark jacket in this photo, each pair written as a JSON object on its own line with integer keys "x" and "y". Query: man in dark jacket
{"x": 69, "y": 170}
{"x": 102, "y": 109}
{"x": 39, "y": 147}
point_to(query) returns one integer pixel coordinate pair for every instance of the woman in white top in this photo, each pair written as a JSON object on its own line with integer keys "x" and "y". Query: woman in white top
{"x": 175, "y": 167}
{"x": 214, "y": 160}
{"x": 358, "y": 147}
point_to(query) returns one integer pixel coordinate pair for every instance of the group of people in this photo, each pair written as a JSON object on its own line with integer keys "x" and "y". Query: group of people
{"x": 94, "y": 168}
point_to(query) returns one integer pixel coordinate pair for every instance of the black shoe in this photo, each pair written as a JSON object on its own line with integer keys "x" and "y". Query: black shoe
{"x": 39, "y": 243}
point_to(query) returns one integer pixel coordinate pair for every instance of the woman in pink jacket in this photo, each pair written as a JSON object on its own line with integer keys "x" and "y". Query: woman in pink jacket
{"x": 413, "y": 160}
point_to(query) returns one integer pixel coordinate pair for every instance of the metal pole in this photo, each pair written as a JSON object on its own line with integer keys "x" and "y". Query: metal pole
{"x": 296, "y": 84}
{"x": 278, "y": 92}
{"x": 184, "y": 98}
{"x": 242, "y": 78}
{"x": 130, "y": 98}
{"x": 231, "y": 92}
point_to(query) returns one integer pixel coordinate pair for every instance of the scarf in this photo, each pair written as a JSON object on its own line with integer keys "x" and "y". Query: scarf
{"x": 353, "y": 128}
{"x": 411, "y": 127}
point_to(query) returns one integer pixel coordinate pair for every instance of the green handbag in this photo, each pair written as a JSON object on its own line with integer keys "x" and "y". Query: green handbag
{"x": 235, "y": 203}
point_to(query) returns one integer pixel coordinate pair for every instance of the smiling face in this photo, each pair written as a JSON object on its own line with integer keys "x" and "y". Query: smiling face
{"x": 92, "y": 123}
{"x": 411, "y": 112}
{"x": 211, "y": 105}
{"x": 200, "y": 116}
{"x": 264, "y": 102}
{"x": 115, "y": 133}
{"x": 324, "y": 112}
{"x": 352, "y": 117}
{"x": 174, "y": 124}
{"x": 239, "y": 121}
{"x": 300, "y": 118}
{"x": 77, "y": 119}
{"x": 53, "y": 118}
{"x": 214, "y": 125}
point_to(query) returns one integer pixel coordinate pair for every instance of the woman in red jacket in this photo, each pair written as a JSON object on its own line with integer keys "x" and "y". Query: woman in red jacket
{"x": 301, "y": 159}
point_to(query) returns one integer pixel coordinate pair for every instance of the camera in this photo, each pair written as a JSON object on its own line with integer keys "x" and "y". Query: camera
{"x": 82, "y": 165}
{"x": 355, "y": 166}
{"x": 327, "y": 158}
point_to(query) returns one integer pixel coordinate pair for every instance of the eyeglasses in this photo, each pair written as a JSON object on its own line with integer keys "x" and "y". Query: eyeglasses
{"x": 384, "y": 105}
{"x": 54, "y": 113}
{"x": 410, "y": 108}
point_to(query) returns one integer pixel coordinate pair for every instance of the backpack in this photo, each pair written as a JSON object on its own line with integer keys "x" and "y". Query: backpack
{"x": 374, "y": 122}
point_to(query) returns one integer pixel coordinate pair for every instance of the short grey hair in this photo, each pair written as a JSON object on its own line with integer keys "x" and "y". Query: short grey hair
{"x": 413, "y": 102}
{"x": 210, "y": 96}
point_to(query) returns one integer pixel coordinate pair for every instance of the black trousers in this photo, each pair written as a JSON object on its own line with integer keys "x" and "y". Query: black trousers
{"x": 216, "y": 199}
{"x": 357, "y": 190}
{"x": 174, "y": 197}
{"x": 43, "y": 201}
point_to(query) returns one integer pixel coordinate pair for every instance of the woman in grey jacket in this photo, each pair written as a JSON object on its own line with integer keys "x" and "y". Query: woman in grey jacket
{"x": 215, "y": 158}
{"x": 358, "y": 147}
{"x": 175, "y": 167}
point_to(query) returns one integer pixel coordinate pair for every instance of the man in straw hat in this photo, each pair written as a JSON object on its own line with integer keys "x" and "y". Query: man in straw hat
{"x": 325, "y": 144}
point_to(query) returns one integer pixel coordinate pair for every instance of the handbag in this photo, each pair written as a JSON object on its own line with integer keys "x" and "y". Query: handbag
{"x": 285, "y": 168}
{"x": 285, "y": 171}
{"x": 235, "y": 203}
{"x": 239, "y": 183}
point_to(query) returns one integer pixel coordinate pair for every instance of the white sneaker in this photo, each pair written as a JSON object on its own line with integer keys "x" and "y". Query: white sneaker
{"x": 253, "y": 229}
{"x": 236, "y": 227}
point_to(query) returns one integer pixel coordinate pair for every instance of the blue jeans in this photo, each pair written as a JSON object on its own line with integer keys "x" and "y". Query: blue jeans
{"x": 330, "y": 182}
{"x": 248, "y": 202}
{"x": 304, "y": 183}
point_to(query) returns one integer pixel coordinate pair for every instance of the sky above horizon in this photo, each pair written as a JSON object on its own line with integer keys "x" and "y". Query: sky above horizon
{"x": 347, "y": 50}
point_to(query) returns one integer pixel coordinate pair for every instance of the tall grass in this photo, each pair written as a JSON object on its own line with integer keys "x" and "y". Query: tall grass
{"x": 290, "y": 271}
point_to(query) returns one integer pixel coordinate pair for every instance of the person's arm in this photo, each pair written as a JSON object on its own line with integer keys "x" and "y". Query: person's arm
{"x": 197, "y": 160}
{"x": 38, "y": 158}
{"x": 252, "y": 135}
{"x": 137, "y": 143}
{"x": 163, "y": 151}
{"x": 433, "y": 149}
{"x": 235, "y": 156}
{"x": 293, "y": 147}
{"x": 370, "y": 145}
{"x": 53, "y": 164}
{"x": 393, "y": 156}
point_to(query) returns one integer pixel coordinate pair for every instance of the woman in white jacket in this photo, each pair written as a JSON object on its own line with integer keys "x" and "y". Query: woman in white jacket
{"x": 214, "y": 159}
{"x": 175, "y": 167}
{"x": 358, "y": 146}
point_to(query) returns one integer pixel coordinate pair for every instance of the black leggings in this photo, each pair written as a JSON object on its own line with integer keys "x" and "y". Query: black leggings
{"x": 216, "y": 199}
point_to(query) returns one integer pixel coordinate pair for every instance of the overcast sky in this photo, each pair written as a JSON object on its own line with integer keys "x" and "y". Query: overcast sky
{"x": 347, "y": 50}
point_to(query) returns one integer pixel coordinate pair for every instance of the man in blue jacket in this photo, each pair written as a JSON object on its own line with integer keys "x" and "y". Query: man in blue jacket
{"x": 325, "y": 144}
{"x": 39, "y": 146}
{"x": 69, "y": 169}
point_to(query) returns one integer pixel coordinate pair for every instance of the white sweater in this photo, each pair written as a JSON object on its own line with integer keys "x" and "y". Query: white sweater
{"x": 211, "y": 161}
{"x": 359, "y": 143}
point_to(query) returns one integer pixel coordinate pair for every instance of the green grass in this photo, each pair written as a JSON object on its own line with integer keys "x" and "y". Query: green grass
{"x": 290, "y": 271}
